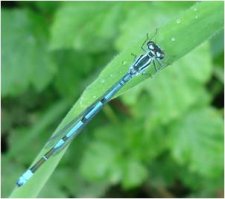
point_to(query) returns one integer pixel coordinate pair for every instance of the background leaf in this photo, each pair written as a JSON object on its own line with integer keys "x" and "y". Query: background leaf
{"x": 194, "y": 141}
{"x": 83, "y": 25}
{"x": 30, "y": 64}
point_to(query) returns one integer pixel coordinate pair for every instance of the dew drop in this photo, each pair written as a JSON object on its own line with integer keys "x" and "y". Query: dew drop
{"x": 124, "y": 62}
{"x": 111, "y": 75}
{"x": 178, "y": 21}
{"x": 196, "y": 16}
{"x": 94, "y": 96}
{"x": 195, "y": 9}
{"x": 102, "y": 81}
{"x": 173, "y": 39}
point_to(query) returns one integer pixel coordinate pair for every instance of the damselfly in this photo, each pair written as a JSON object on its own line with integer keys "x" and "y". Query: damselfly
{"x": 64, "y": 136}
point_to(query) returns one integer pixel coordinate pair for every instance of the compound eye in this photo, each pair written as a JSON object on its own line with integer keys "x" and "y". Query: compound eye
{"x": 150, "y": 45}
{"x": 158, "y": 54}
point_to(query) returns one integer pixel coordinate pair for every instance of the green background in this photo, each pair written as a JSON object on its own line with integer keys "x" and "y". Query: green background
{"x": 163, "y": 138}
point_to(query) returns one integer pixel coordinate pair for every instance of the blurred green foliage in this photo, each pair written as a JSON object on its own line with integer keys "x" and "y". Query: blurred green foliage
{"x": 162, "y": 138}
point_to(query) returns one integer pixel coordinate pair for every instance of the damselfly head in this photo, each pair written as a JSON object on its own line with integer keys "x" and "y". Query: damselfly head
{"x": 155, "y": 50}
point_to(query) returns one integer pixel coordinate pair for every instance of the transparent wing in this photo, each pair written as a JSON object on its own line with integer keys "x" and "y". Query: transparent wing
{"x": 59, "y": 134}
{"x": 63, "y": 131}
